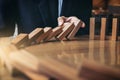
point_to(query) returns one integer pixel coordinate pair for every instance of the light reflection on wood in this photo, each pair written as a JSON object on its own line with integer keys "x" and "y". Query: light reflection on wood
{"x": 113, "y": 52}
{"x": 72, "y": 52}
{"x": 118, "y": 53}
{"x": 102, "y": 52}
{"x": 48, "y": 66}
{"x": 91, "y": 50}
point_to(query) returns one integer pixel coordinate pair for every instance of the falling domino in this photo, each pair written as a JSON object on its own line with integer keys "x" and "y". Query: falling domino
{"x": 25, "y": 39}
{"x": 47, "y": 31}
{"x": 56, "y": 31}
{"x": 75, "y": 29}
{"x": 20, "y": 39}
{"x": 66, "y": 30}
{"x": 35, "y": 34}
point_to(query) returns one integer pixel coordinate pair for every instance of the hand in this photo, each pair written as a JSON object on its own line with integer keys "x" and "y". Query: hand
{"x": 62, "y": 21}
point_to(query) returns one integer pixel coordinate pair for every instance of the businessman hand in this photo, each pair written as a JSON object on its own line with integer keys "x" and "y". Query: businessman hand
{"x": 65, "y": 20}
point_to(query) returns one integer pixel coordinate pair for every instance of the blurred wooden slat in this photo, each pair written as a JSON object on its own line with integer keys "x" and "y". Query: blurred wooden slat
{"x": 96, "y": 71}
{"x": 30, "y": 69}
{"x": 47, "y": 66}
{"x": 4, "y": 53}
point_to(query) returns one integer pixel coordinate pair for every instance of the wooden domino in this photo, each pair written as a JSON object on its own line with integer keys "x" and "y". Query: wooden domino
{"x": 92, "y": 29}
{"x": 35, "y": 34}
{"x": 47, "y": 31}
{"x": 75, "y": 29}
{"x": 20, "y": 39}
{"x": 114, "y": 29}
{"x": 103, "y": 29}
{"x": 56, "y": 31}
{"x": 66, "y": 30}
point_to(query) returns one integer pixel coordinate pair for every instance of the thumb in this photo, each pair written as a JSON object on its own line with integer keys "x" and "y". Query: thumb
{"x": 61, "y": 20}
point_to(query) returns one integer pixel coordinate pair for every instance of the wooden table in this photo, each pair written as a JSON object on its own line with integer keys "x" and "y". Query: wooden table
{"x": 104, "y": 52}
{"x": 73, "y": 52}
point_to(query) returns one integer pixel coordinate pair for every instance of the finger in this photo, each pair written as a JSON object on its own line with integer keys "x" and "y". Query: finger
{"x": 68, "y": 19}
{"x": 83, "y": 25}
{"x": 72, "y": 19}
{"x": 61, "y": 20}
{"x": 75, "y": 20}
{"x": 66, "y": 23}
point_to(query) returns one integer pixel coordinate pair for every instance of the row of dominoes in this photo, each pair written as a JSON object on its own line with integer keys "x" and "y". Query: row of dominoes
{"x": 47, "y": 33}
{"x": 115, "y": 28}
{"x": 46, "y": 68}
{"x": 37, "y": 35}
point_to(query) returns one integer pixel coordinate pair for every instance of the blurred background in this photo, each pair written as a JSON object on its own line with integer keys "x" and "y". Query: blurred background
{"x": 106, "y": 8}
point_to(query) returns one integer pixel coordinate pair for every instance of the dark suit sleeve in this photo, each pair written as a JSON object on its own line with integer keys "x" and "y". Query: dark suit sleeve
{"x": 83, "y": 11}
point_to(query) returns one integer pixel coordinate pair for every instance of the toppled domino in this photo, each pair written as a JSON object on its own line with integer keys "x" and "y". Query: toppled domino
{"x": 56, "y": 31}
{"x": 78, "y": 24}
{"x": 26, "y": 39}
{"x": 4, "y": 53}
{"x": 20, "y": 40}
{"x": 47, "y": 31}
{"x": 66, "y": 30}
{"x": 35, "y": 34}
